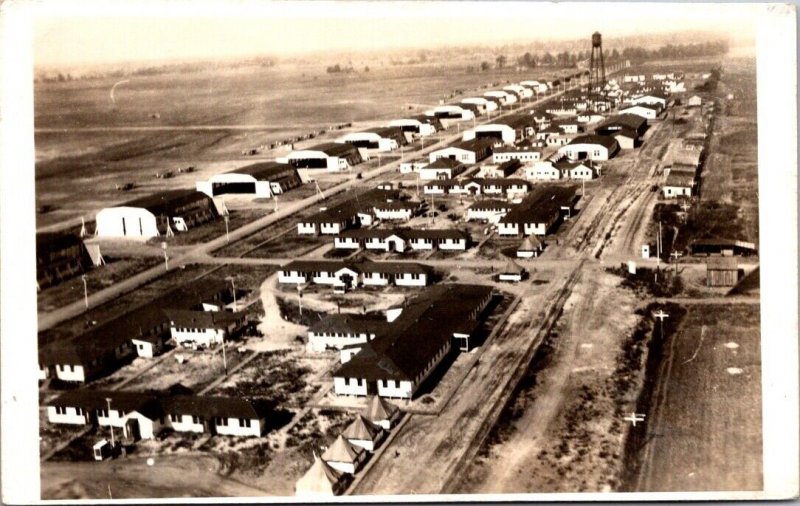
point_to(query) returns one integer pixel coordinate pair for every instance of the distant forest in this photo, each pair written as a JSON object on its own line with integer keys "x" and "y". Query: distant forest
{"x": 530, "y": 59}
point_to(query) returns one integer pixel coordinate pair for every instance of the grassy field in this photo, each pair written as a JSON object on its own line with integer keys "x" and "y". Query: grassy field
{"x": 706, "y": 432}
{"x": 281, "y": 102}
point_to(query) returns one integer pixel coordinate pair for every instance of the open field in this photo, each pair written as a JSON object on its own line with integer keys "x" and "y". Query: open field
{"x": 704, "y": 430}
{"x": 298, "y": 101}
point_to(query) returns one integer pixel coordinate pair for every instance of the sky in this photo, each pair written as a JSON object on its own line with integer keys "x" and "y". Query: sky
{"x": 86, "y": 32}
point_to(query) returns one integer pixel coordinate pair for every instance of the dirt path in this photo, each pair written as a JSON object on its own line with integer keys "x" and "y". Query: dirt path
{"x": 429, "y": 450}
{"x": 579, "y": 357}
{"x": 133, "y": 478}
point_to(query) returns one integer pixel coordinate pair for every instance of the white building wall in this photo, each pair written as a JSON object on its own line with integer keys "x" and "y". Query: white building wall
{"x": 451, "y": 244}
{"x": 233, "y": 428}
{"x": 319, "y": 343}
{"x": 395, "y": 389}
{"x": 375, "y": 279}
{"x": 130, "y": 222}
{"x": 677, "y": 191}
{"x": 408, "y": 280}
{"x": 114, "y": 418}
{"x": 346, "y": 243}
{"x": 507, "y": 229}
{"x": 71, "y": 416}
{"x": 350, "y": 386}
{"x": 307, "y": 228}
{"x": 535, "y": 228}
{"x": 205, "y": 337}
{"x": 67, "y": 372}
{"x": 184, "y": 423}
{"x": 330, "y": 228}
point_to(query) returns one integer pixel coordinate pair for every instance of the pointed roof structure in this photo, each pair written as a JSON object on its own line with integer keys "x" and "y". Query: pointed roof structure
{"x": 342, "y": 451}
{"x": 530, "y": 243}
{"x": 512, "y": 267}
{"x": 362, "y": 429}
{"x": 320, "y": 479}
{"x": 378, "y": 409}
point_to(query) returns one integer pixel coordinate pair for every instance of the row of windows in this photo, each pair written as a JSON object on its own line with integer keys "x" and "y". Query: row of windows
{"x": 62, "y": 410}
{"x": 190, "y": 330}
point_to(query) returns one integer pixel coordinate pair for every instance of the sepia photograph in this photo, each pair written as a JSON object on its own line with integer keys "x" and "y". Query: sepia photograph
{"x": 323, "y": 251}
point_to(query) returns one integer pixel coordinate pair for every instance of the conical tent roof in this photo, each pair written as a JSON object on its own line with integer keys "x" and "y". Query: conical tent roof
{"x": 530, "y": 243}
{"x": 512, "y": 267}
{"x": 361, "y": 429}
{"x": 341, "y": 451}
{"x": 378, "y": 409}
{"x": 319, "y": 479}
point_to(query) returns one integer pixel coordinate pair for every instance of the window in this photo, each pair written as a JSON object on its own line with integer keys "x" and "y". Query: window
{"x": 102, "y": 413}
{"x": 221, "y": 421}
{"x": 61, "y": 410}
{"x": 79, "y": 411}
{"x": 174, "y": 418}
{"x": 244, "y": 422}
{"x": 196, "y": 420}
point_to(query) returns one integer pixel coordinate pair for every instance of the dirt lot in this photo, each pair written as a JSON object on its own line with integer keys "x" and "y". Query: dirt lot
{"x": 706, "y": 426}
{"x": 199, "y": 369}
{"x": 285, "y": 377}
{"x": 562, "y": 432}
{"x": 97, "y": 278}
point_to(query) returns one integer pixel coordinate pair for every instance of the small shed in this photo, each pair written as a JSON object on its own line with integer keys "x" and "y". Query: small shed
{"x": 364, "y": 433}
{"x": 722, "y": 271}
{"x": 531, "y": 247}
{"x": 511, "y": 272}
{"x": 321, "y": 480}
{"x": 381, "y": 412}
{"x": 344, "y": 456}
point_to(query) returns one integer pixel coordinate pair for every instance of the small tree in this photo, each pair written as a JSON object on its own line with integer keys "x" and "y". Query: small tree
{"x": 485, "y": 66}
{"x": 501, "y": 61}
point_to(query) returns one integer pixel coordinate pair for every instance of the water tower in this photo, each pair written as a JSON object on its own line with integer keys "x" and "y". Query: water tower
{"x": 597, "y": 66}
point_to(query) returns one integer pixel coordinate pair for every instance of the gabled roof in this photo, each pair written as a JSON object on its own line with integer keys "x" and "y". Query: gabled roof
{"x": 166, "y": 202}
{"x": 265, "y": 171}
{"x": 542, "y": 205}
{"x": 378, "y": 409}
{"x": 632, "y": 121}
{"x": 490, "y": 204}
{"x": 55, "y": 241}
{"x": 475, "y": 145}
{"x": 342, "y": 450}
{"x": 211, "y": 406}
{"x": 347, "y": 323}
{"x": 341, "y": 150}
{"x": 422, "y": 329}
{"x": 444, "y": 163}
{"x": 362, "y": 429}
{"x": 602, "y": 140}
{"x": 203, "y": 319}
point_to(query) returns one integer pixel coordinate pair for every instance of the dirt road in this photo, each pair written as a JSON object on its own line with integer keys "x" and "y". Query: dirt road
{"x": 580, "y": 359}
{"x": 430, "y": 450}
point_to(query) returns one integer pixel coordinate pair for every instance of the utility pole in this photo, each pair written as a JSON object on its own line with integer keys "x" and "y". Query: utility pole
{"x": 224, "y": 357}
{"x": 660, "y": 315}
{"x": 232, "y": 279}
{"x": 85, "y": 291}
{"x": 300, "y": 298}
{"x": 166, "y": 257}
{"x": 227, "y": 234}
{"x": 110, "y": 426}
{"x": 677, "y": 257}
